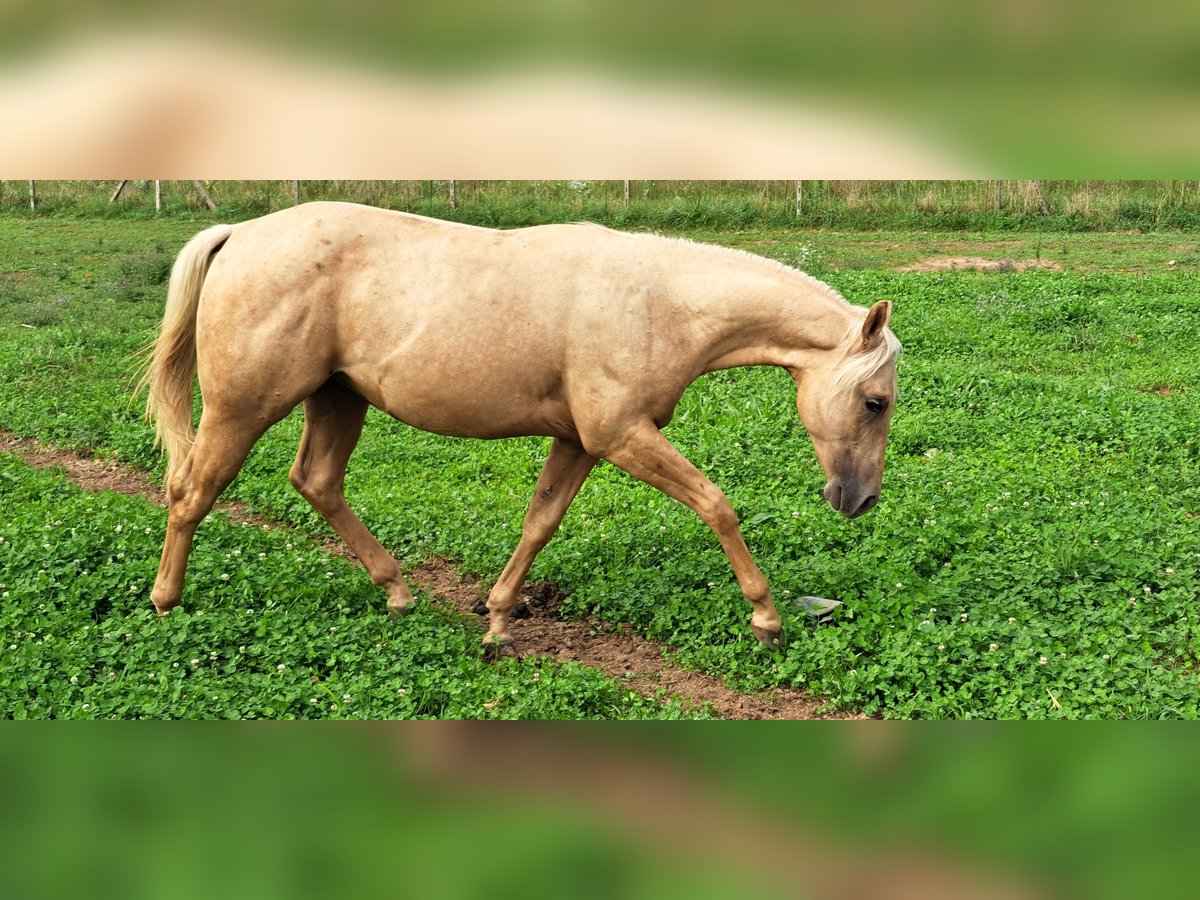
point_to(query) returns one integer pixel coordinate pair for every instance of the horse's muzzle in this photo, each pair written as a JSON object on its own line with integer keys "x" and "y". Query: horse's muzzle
{"x": 848, "y": 500}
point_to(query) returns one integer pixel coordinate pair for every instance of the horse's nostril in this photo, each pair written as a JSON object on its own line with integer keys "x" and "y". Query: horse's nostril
{"x": 833, "y": 494}
{"x": 867, "y": 504}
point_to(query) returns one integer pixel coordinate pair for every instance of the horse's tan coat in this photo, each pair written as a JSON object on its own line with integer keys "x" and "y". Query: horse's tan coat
{"x": 577, "y": 332}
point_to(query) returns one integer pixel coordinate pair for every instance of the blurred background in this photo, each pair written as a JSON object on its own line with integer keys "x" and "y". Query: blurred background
{"x": 570, "y": 89}
{"x": 576, "y": 88}
{"x": 857, "y": 810}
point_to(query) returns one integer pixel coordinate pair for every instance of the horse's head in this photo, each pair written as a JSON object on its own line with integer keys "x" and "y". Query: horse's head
{"x": 845, "y": 401}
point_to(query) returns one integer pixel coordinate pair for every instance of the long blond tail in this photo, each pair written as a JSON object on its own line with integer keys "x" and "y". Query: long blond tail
{"x": 173, "y": 358}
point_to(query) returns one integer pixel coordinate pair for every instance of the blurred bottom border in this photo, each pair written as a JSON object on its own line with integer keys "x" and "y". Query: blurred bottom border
{"x": 887, "y": 810}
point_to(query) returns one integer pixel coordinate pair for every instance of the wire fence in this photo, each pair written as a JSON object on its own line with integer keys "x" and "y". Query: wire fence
{"x": 953, "y": 204}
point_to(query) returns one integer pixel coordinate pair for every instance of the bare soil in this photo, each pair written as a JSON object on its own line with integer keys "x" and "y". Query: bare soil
{"x": 978, "y": 264}
{"x": 637, "y": 662}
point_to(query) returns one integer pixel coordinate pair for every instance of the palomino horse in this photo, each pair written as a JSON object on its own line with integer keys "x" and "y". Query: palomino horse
{"x": 576, "y": 332}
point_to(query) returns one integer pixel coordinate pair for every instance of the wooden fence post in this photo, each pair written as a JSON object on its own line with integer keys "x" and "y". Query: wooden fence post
{"x": 626, "y": 193}
{"x": 453, "y": 194}
{"x": 32, "y": 197}
{"x": 157, "y": 196}
{"x": 799, "y": 198}
{"x": 212, "y": 204}
{"x": 1037, "y": 189}
{"x": 296, "y": 193}
{"x": 116, "y": 195}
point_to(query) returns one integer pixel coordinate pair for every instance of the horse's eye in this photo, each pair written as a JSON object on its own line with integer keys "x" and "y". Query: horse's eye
{"x": 876, "y": 405}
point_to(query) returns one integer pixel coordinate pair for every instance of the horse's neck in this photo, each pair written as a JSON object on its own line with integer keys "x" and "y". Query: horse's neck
{"x": 790, "y": 325}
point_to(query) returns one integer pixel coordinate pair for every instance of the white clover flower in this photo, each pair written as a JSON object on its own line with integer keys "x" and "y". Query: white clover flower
{"x": 74, "y": 679}
{"x": 118, "y": 529}
{"x": 963, "y": 617}
{"x": 1042, "y": 660}
{"x": 941, "y": 646}
{"x": 280, "y": 667}
{"x": 992, "y": 648}
{"x": 195, "y": 662}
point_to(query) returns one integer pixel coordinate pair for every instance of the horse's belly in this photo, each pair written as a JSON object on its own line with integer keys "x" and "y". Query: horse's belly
{"x": 466, "y": 407}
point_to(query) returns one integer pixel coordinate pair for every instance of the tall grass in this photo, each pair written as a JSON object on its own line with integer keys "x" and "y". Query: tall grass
{"x": 848, "y": 205}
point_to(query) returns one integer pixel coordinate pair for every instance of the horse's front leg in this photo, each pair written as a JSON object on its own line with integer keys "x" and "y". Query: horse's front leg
{"x": 645, "y": 454}
{"x": 564, "y": 472}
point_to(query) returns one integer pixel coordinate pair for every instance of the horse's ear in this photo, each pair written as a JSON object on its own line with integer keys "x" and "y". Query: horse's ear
{"x": 877, "y": 319}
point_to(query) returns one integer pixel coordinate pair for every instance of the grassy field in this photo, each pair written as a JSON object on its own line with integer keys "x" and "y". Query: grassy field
{"x": 1034, "y": 554}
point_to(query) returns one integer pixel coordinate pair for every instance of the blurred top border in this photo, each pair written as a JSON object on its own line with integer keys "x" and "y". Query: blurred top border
{"x": 578, "y": 89}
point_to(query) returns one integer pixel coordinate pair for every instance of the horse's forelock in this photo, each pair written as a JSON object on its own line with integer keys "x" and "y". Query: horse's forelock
{"x": 858, "y": 367}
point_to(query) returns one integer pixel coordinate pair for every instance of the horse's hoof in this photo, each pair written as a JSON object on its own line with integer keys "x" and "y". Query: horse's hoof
{"x": 495, "y": 649}
{"x": 772, "y": 640}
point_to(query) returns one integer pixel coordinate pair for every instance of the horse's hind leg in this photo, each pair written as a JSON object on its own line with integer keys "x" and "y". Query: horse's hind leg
{"x": 221, "y": 446}
{"x": 333, "y": 421}
{"x": 564, "y": 472}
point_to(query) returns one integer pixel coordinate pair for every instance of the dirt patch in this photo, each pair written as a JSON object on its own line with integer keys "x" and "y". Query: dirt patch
{"x": 978, "y": 264}
{"x": 89, "y": 473}
{"x": 620, "y": 654}
{"x": 1162, "y": 390}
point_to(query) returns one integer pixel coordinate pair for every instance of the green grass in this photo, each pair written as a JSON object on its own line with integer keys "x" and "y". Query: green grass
{"x": 1041, "y": 496}
{"x": 284, "y": 631}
